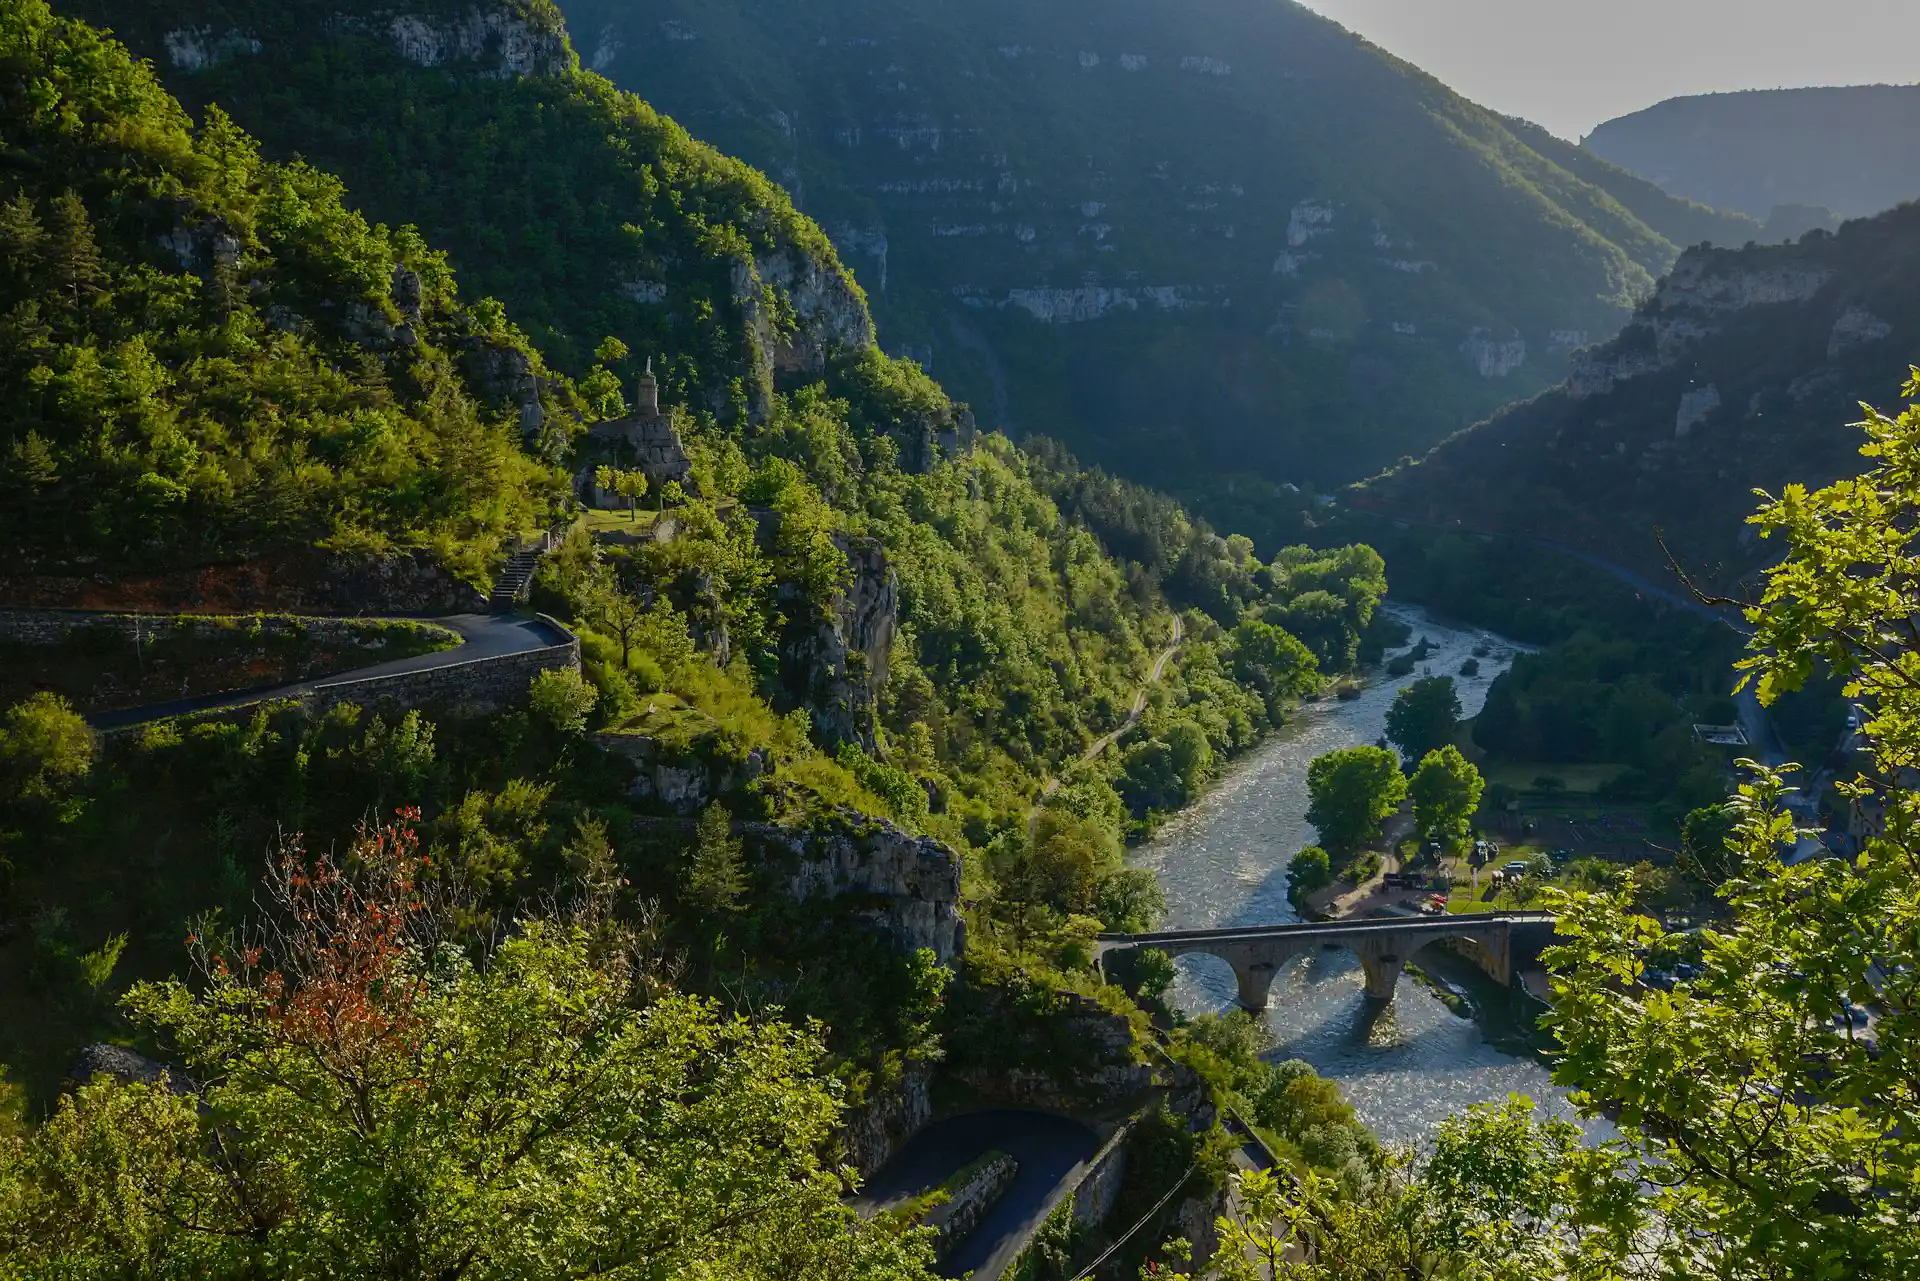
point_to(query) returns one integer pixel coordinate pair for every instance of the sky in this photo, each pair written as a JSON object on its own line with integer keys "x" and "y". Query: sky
{"x": 1570, "y": 64}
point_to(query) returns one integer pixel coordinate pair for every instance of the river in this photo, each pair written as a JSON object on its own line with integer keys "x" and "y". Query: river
{"x": 1224, "y": 862}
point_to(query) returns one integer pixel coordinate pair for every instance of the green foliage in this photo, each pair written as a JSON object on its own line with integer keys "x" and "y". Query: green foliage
{"x": 1302, "y": 1113}
{"x": 1352, "y": 791}
{"x": 1309, "y": 870}
{"x": 1445, "y": 792}
{"x": 1760, "y": 1118}
{"x": 548, "y": 1112}
{"x": 44, "y": 744}
{"x": 716, "y": 875}
{"x": 551, "y": 191}
{"x": 1423, "y": 718}
{"x": 562, "y": 699}
{"x": 1303, "y": 375}
{"x": 282, "y": 373}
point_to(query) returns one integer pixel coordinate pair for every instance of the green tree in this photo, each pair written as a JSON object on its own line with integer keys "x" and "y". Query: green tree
{"x": 563, "y": 699}
{"x": 1771, "y": 1136}
{"x": 604, "y": 604}
{"x": 1424, "y": 717}
{"x": 1273, "y": 657}
{"x": 373, "y": 1103}
{"x": 1352, "y": 791}
{"x": 1311, "y": 869}
{"x": 45, "y": 743}
{"x": 632, "y": 486}
{"x": 1445, "y": 791}
{"x": 716, "y": 872}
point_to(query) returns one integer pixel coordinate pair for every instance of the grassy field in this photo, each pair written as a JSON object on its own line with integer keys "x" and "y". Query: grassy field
{"x": 620, "y": 521}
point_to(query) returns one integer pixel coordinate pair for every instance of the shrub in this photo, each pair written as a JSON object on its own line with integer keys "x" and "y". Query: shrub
{"x": 563, "y": 699}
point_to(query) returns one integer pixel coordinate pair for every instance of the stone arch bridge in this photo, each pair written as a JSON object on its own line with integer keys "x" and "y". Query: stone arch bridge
{"x": 1501, "y": 943}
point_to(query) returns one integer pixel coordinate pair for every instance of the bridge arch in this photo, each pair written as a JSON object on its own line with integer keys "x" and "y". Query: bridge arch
{"x": 1383, "y": 946}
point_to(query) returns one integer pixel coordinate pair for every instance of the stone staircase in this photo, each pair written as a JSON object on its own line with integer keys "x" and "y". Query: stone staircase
{"x": 516, "y": 579}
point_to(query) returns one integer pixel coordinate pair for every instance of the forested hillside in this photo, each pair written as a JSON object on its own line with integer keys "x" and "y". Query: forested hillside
{"x": 208, "y": 354}
{"x": 1853, "y": 150}
{"x": 1740, "y": 373}
{"x": 837, "y": 618}
{"x": 1193, "y": 245}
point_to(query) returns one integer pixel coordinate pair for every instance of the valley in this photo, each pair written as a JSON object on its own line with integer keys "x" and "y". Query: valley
{"x": 1210, "y": 238}
{"x": 628, "y": 622}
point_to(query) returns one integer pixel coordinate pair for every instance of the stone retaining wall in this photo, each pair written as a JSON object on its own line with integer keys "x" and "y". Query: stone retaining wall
{"x": 478, "y": 685}
{"x": 54, "y": 626}
{"x": 1099, "y": 1188}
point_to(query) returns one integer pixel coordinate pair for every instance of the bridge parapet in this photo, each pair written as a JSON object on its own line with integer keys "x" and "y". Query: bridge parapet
{"x": 1257, "y": 953}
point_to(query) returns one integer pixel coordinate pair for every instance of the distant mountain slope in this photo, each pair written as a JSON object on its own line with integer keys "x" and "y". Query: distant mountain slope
{"x": 579, "y": 207}
{"x": 1194, "y": 240}
{"x": 1854, "y": 150}
{"x": 1742, "y": 372}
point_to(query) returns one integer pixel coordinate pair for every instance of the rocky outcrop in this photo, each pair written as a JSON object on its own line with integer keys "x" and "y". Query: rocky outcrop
{"x": 504, "y": 375}
{"x": 1857, "y": 327}
{"x": 195, "y": 49}
{"x": 684, "y": 780}
{"x": 1697, "y": 406}
{"x": 496, "y": 41}
{"x": 876, "y": 1129}
{"x": 833, "y": 663}
{"x": 124, "y": 1066}
{"x": 833, "y": 316}
{"x": 1494, "y": 357}
{"x": 1719, "y": 281}
{"x": 907, "y": 887}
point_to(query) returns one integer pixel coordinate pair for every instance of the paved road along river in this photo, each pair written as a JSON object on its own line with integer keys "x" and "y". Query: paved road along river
{"x": 1224, "y": 862}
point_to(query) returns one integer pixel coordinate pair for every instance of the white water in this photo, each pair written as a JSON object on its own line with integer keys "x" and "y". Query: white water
{"x": 1224, "y": 862}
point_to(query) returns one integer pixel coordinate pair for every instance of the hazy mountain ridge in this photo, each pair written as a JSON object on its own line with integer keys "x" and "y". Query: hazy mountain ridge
{"x": 1190, "y": 241}
{"x": 1854, "y": 150}
{"x": 1742, "y": 372}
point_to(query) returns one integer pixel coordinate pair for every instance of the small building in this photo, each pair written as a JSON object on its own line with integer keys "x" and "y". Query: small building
{"x": 644, "y": 440}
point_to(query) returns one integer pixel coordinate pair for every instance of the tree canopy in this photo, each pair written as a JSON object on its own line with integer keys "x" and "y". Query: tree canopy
{"x": 357, "y": 1096}
{"x": 1445, "y": 791}
{"x": 1352, "y": 791}
{"x": 1423, "y": 718}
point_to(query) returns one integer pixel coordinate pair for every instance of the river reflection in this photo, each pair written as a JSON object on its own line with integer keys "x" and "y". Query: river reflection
{"x": 1224, "y": 862}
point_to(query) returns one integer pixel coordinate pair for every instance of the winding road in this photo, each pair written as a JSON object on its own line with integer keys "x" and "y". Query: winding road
{"x": 1049, "y": 1148}
{"x": 481, "y": 636}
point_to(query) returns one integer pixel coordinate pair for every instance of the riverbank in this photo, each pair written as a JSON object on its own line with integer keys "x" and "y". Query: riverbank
{"x": 1223, "y": 862}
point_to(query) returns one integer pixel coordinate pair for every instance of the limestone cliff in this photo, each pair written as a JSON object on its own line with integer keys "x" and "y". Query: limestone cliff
{"x": 908, "y": 887}
{"x": 1190, "y": 239}
{"x": 1742, "y": 371}
{"x": 833, "y": 661}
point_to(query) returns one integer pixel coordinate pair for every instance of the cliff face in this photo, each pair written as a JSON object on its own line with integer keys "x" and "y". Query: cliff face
{"x": 834, "y": 663}
{"x": 1743, "y": 371}
{"x": 908, "y": 887}
{"x": 1190, "y": 239}
{"x": 678, "y": 250}
{"x": 1853, "y": 150}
